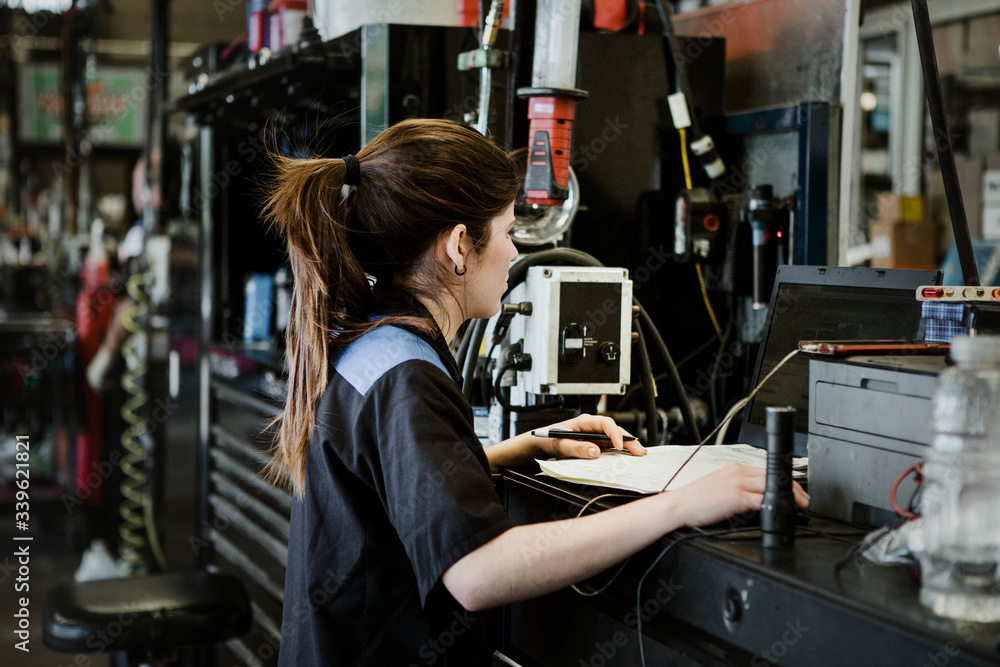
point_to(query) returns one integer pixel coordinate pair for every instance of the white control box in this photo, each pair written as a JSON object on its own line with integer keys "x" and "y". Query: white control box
{"x": 579, "y": 333}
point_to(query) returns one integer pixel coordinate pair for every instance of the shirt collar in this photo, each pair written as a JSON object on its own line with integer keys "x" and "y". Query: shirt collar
{"x": 391, "y": 300}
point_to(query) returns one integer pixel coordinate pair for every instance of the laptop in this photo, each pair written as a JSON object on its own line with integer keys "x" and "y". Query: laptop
{"x": 830, "y": 304}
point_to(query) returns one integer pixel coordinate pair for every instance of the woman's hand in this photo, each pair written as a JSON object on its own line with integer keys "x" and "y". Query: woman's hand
{"x": 731, "y": 490}
{"x": 583, "y": 449}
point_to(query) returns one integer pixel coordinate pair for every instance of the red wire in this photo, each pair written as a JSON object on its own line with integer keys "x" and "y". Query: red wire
{"x": 682, "y": 467}
{"x": 918, "y": 469}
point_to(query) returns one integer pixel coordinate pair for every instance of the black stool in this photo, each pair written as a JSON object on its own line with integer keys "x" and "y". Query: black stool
{"x": 147, "y": 618}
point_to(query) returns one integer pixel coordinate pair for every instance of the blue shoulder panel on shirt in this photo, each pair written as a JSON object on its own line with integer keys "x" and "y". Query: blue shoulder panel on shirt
{"x": 380, "y": 350}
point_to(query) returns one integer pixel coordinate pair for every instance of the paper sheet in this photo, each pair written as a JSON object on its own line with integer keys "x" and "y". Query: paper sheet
{"x": 648, "y": 474}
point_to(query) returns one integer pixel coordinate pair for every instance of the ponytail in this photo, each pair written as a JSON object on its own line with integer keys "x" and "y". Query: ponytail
{"x": 406, "y": 187}
{"x": 304, "y": 208}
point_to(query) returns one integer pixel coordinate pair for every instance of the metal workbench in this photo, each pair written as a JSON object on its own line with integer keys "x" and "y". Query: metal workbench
{"x": 725, "y": 601}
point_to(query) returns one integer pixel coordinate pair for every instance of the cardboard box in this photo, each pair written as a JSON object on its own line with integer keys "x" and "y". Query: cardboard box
{"x": 902, "y": 245}
{"x": 900, "y": 208}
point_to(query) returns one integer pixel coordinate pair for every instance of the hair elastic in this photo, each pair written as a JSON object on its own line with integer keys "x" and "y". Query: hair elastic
{"x": 353, "y": 176}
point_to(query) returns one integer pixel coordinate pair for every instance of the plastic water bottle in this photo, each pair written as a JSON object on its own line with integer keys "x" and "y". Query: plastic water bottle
{"x": 960, "y": 576}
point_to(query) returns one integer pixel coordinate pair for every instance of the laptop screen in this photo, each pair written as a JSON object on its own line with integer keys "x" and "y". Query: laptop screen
{"x": 825, "y": 303}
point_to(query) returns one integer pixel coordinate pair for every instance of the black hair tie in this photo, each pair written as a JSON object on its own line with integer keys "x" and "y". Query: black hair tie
{"x": 353, "y": 176}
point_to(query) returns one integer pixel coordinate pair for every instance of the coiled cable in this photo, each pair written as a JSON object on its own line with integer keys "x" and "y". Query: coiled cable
{"x": 137, "y": 530}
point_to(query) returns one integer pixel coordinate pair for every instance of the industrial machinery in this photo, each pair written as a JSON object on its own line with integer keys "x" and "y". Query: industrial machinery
{"x": 625, "y": 147}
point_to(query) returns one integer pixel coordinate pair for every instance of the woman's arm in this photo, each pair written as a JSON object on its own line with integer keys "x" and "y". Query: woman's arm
{"x": 524, "y": 448}
{"x": 532, "y": 560}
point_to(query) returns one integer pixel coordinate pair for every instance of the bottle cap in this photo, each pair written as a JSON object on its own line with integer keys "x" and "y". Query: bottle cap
{"x": 975, "y": 349}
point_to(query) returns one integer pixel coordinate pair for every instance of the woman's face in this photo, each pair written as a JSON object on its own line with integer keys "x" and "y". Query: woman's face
{"x": 486, "y": 280}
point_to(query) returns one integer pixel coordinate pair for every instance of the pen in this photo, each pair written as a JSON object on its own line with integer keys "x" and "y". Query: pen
{"x": 575, "y": 435}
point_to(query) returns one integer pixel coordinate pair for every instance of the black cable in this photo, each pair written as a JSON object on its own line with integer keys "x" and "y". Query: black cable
{"x": 634, "y": 387}
{"x": 666, "y": 550}
{"x": 675, "y": 378}
{"x": 712, "y": 393}
{"x": 646, "y": 373}
{"x": 472, "y": 356}
{"x": 623, "y": 401}
{"x": 852, "y": 555}
{"x": 701, "y": 348}
{"x": 463, "y": 346}
{"x": 680, "y": 66}
{"x": 555, "y": 256}
{"x": 913, "y": 499}
{"x": 485, "y": 381}
{"x": 505, "y": 404}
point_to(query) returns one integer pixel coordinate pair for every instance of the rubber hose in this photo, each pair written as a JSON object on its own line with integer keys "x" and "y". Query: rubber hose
{"x": 478, "y": 329}
{"x": 673, "y": 374}
{"x": 646, "y": 371}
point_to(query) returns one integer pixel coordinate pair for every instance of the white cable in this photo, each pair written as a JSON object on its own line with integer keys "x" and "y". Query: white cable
{"x": 721, "y": 428}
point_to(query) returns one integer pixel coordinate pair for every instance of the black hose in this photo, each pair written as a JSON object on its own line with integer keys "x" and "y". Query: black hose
{"x": 646, "y": 373}
{"x": 485, "y": 383}
{"x": 556, "y": 256}
{"x": 463, "y": 346}
{"x": 673, "y": 374}
{"x": 946, "y": 157}
{"x": 478, "y": 330}
{"x": 505, "y": 404}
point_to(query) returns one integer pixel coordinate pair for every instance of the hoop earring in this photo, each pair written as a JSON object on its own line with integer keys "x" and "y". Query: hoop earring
{"x": 462, "y": 272}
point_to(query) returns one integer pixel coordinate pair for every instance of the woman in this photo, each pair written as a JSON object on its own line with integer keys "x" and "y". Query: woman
{"x": 397, "y": 535}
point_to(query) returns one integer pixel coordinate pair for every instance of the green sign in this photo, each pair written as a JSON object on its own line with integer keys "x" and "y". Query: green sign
{"x": 116, "y": 105}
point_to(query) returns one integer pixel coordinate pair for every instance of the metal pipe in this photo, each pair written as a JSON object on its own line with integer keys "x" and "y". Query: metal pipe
{"x": 491, "y": 28}
{"x": 557, "y": 36}
{"x": 485, "y": 82}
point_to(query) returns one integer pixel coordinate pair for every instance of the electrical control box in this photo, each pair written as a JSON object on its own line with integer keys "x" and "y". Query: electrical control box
{"x": 579, "y": 333}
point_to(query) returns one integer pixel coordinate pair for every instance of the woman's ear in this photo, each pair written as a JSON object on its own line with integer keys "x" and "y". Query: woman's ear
{"x": 454, "y": 248}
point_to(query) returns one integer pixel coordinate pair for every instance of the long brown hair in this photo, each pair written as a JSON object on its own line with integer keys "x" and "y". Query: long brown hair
{"x": 418, "y": 179}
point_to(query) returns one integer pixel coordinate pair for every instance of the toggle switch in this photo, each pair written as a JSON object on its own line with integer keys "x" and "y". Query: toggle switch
{"x": 571, "y": 344}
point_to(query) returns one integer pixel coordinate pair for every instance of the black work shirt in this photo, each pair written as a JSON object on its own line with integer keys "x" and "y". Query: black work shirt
{"x": 397, "y": 490}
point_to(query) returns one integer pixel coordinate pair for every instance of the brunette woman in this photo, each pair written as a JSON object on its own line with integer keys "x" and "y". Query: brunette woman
{"x": 398, "y": 537}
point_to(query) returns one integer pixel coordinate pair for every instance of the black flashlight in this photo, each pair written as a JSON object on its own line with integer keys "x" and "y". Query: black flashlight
{"x": 777, "y": 512}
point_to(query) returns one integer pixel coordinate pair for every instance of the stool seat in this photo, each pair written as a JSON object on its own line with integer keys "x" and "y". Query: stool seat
{"x": 151, "y": 613}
